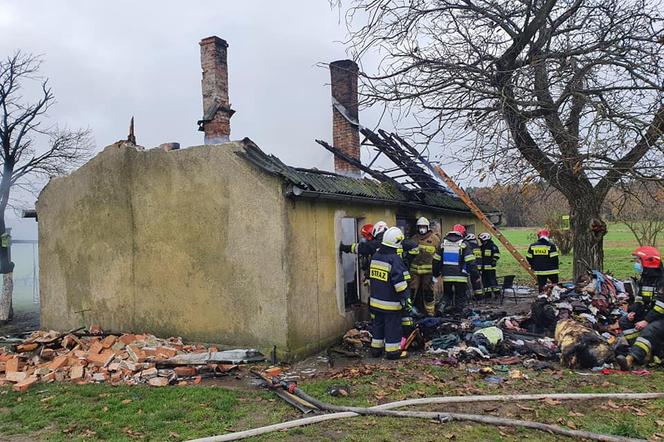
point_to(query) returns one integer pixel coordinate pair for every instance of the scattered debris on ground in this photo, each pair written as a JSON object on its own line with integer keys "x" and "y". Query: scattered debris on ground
{"x": 84, "y": 356}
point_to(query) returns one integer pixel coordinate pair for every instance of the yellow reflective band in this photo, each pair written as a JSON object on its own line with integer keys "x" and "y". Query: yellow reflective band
{"x": 528, "y": 255}
{"x": 407, "y": 321}
{"x": 353, "y": 248}
{"x": 642, "y": 346}
{"x": 428, "y": 249}
{"x": 436, "y": 256}
{"x": 489, "y": 268}
{"x": 546, "y": 272}
{"x": 554, "y": 254}
{"x": 382, "y": 265}
{"x": 455, "y": 279}
{"x": 413, "y": 252}
{"x": 377, "y": 343}
{"x": 390, "y": 346}
{"x": 659, "y": 309}
{"x": 469, "y": 258}
{"x": 385, "y": 305}
{"x": 400, "y": 286}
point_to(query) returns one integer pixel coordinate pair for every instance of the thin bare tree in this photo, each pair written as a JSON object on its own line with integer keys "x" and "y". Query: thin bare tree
{"x": 567, "y": 90}
{"x": 24, "y": 162}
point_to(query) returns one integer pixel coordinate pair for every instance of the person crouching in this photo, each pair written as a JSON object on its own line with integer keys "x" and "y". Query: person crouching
{"x": 388, "y": 293}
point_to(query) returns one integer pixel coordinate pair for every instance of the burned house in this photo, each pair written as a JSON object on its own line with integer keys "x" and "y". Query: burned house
{"x": 223, "y": 242}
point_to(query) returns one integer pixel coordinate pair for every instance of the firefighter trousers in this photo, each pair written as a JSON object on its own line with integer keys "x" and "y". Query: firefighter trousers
{"x": 490, "y": 283}
{"x": 421, "y": 286}
{"x": 455, "y": 295}
{"x": 629, "y": 332}
{"x": 387, "y": 334}
{"x": 650, "y": 342}
{"x": 542, "y": 280}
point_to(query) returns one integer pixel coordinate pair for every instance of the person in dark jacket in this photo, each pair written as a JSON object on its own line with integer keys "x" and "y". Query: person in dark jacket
{"x": 471, "y": 240}
{"x": 388, "y": 293}
{"x": 407, "y": 251}
{"x": 455, "y": 262}
{"x": 488, "y": 264}
{"x": 543, "y": 259}
{"x": 649, "y": 315}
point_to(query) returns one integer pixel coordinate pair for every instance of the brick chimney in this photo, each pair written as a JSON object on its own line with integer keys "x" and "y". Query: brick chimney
{"x": 217, "y": 111}
{"x": 345, "y": 133}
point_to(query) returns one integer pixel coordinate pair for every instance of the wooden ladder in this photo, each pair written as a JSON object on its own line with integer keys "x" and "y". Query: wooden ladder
{"x": 484, "y": 219}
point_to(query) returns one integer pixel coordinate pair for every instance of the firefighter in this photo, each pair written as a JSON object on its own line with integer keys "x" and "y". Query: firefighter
{"x": 471, "y": 240}
{"x": 490, "y": 255}
{"x": 650, "y": 342}
{"x": 388, "y": 293}
{"x": 648, "y": 263}
{"x": 454, "y": 262}
{"x": 543, "y": 259}
{"x": 421, "y": 284}
{"x": 406, "y": 251}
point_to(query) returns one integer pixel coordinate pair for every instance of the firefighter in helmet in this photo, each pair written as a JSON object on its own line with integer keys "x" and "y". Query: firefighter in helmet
{"x": 388, "y": 294}
{"x": 543, "y": 259}
{"x": 647, "y": 312}
{"x": 421, "y": 285}
{"x": 490, "y": 256}
{"x": 476, "y": 285}
{"x": 455, "y": 262}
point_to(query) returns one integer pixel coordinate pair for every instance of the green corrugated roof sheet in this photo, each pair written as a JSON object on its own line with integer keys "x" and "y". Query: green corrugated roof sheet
{"x": 329, "y": 183}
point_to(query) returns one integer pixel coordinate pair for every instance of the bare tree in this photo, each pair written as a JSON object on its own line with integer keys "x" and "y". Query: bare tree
{"x": 640, "y": 206}
{"x": 21, "y": 129}
{"x": 567, "y": 90}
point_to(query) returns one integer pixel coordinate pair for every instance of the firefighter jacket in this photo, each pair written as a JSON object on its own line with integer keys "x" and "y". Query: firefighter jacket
{"x": 454, "y": 260}
{"x": 543, "y": 257}
{"x": 650, "y": 298}
{"x": 388, "y": 288}
{"x": 421, "y": 262}
{"x": 477, "y": 251}
{"x": 490, "y": 255}
{"x": 368, "y": 248}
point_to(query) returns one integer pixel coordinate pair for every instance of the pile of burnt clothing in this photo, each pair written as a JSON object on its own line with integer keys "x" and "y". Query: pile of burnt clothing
{"x": 483, "y": 336}
{"x": 598, "y": 299}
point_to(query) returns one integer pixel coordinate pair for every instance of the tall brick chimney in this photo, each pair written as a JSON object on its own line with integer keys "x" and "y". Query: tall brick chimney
{"x": 345, "y": 134}
{"x": 217, "y": 111}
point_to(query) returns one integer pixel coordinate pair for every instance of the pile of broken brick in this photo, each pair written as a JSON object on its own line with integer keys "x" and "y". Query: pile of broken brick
{"x": 82, "y": 356}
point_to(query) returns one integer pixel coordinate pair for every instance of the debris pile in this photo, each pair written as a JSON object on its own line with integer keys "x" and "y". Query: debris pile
{"x": 575, "y": 324}
{"x": 93, "y": 356}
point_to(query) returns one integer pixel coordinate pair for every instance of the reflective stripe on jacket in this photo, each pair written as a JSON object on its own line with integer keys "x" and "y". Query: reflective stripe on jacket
{"x": 388, "y": 283}
{"x": 543, "y": 257}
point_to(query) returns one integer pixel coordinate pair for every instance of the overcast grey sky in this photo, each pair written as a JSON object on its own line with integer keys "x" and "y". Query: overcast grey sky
{"x": 109, "y": 60}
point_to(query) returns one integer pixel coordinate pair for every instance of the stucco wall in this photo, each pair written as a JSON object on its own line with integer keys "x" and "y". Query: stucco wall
{"x": 172, "y": 243}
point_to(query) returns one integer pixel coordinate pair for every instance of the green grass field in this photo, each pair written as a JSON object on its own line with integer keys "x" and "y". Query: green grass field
{"x": 100, "y": 412}
{"x": 619, "y": 243}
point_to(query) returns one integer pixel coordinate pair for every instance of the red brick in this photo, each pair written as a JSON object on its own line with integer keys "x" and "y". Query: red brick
{"x": 185, "y": 371}
{"x": 26, "y": 347}
{"x": 17, "y": 376}
{"x": 12, "y": 365}
{"x": 158, "y": 382}
{"x": 59, "y": 362}
{"x": 48, "y": 377}
{"x": 95, "y": 348}
{"x": 135, "y": 354}
{"x": 197, "y": 380}
{"x": 127, "y": 339}
{"x": 109, "y": 341}
{"x": 76, "y": 372}
{"x": 101, "y": 360}
{"x": 24, "y": 385}
{"x": 2, "y": 367}
{"x": 166, "y": 352}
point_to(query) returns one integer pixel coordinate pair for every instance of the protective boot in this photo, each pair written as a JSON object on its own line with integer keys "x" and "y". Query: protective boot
{"x": 430, "y": 308}
{"x": 625, "y": 362}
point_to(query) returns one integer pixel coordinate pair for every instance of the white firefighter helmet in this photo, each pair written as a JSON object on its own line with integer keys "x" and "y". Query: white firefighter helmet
{"x": 423, "y": 222}
{"x": 393, "y": 237}
{"x": 379, "y": 228}
{"x": 485, "y": 236}
{"x": 470, "y": 237}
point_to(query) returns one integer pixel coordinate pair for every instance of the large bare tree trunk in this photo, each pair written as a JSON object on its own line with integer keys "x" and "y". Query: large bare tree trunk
{"x": 6, "y": 309}
{"x": 588, "y": 230}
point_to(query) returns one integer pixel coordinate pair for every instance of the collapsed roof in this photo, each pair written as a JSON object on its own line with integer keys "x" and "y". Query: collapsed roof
{"x": 316, "y": 184}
